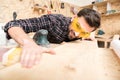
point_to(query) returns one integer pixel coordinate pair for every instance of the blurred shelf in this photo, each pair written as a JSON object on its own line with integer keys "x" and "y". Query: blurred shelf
{"x": 96, "y": 4}
{"x": 111, "y": 14}
{"x": 101, "y": 3}
{"x": 104, "y": 40}
{"x": 87, "y": 6}
{"x": 113, "y": 1}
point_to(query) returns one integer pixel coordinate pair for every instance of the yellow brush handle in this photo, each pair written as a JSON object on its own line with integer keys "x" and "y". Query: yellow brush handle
{"x": 12, "y": 57}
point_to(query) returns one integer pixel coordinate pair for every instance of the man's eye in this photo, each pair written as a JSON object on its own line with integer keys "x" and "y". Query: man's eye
{"x": 84, "y": 32}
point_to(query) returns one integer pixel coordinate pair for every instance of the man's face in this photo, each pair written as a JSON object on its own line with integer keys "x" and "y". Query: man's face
{"x": 79, "y": 26}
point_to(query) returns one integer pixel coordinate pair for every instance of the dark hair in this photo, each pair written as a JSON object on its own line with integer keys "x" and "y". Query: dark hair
{"x": 92, "y": 17}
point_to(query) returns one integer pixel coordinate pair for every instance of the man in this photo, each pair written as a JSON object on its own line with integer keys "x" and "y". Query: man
{"x": 60, "y": 28}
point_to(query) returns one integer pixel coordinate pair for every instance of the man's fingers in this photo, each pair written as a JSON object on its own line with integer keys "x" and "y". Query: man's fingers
{"x": 24, "y": 58}
{"x": 37, "y": 59}
{"x": 31, "y": 57}
{"x": 23, "y": 55}
{"x": 27, "y": 59}
{"x": 31, "y": 60}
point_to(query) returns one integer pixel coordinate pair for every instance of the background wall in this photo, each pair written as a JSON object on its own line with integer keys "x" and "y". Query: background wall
{"x": 24, "y": 8}
{"x": 79, "y": 2}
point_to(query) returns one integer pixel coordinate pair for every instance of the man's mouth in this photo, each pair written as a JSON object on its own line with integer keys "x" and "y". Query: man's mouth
{"x": 72, "y": 34}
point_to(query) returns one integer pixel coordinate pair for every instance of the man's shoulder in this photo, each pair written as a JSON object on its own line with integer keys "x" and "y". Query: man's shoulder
{"x": 56, "y": 15}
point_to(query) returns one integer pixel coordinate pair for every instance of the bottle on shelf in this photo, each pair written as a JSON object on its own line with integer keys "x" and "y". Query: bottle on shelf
{"x": 95, "y": 8}
{"x": 108, "y": 8}
{"x": 99, "y": 0}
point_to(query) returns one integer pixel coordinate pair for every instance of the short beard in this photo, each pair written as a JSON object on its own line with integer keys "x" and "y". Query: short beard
{"x": 68, "y": 39}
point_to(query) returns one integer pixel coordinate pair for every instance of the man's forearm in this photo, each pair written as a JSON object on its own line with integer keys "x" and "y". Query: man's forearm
{"x": 19, "y": 35}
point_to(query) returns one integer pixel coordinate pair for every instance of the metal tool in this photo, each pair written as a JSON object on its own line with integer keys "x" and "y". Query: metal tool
{"x": 14, "y": 16}
{"x": 41, "y": 38}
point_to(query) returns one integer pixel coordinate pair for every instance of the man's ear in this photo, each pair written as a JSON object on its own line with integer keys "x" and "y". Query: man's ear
{"x": 74, "y": 16}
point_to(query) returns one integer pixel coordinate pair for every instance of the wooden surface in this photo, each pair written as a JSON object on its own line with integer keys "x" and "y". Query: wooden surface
{"x": 5, "y": 49}
{"x": 73, "y": 61}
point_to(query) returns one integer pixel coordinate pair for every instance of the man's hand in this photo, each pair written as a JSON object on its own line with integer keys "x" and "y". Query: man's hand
{"x": 31, "y": 53}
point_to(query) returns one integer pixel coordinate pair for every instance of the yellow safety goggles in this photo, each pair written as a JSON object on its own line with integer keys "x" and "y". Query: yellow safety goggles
{"x": 77, "y": 28}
